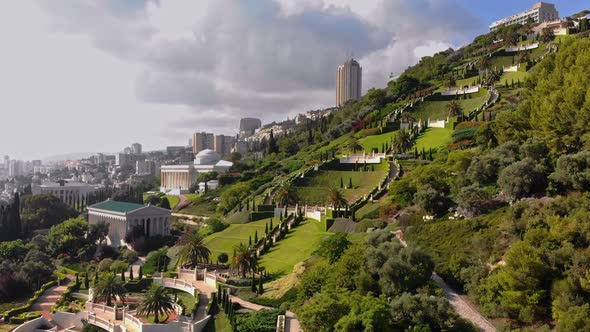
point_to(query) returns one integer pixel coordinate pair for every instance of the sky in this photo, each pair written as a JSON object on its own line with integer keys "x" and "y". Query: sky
{"x": 99, "y": 75}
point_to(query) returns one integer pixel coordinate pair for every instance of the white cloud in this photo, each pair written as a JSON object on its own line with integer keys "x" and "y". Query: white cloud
{"x": 112, "y": 72}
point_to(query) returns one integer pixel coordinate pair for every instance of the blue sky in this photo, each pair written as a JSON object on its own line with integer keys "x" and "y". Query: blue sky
{"x": 489, "y": 11}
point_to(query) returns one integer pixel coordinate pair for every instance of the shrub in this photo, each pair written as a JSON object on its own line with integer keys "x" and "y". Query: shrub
{"x": 255, "y": 216}
{"x": 137, "y": 286}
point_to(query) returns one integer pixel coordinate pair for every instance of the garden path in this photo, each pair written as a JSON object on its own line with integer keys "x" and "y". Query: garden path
{"x": 48, "y": 299}
{"x": 460, "y": 305}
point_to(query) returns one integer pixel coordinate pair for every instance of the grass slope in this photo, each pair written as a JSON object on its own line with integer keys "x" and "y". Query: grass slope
{"x": 433, "y": 138}
{"x": 313, "y": 189}
{"x": 436, "y": 107}
{"x": 296, "y": 247}
{"x": 226, "y": 240}
{"x": 376, "y": 141}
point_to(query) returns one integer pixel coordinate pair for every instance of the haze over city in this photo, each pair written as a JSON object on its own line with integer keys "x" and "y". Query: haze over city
{"x": 92, "y": 76}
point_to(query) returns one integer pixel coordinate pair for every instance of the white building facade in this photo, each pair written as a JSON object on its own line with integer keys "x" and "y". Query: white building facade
{"x": 539, "y": 13}
{"x": 123, "y": 218}
{"x": 177, "y": 179}
{"x": 68, "y": 192}
{"x": 349, "y": 80}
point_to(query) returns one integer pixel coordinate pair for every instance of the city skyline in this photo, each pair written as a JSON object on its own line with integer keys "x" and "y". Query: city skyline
{"x": 95, "y": 89}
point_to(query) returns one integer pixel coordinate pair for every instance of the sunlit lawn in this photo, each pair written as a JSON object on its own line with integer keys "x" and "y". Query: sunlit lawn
{"x": 433, "y": 138}
{"x": 226, "y": 240}
{"x": 296, "y": 247}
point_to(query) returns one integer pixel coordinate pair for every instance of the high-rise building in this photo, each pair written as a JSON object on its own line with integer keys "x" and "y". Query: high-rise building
{"x": 248, "y": 126}
{"x": 223, "y": 144}
{"x": 6, "y": 162}
{"x": 202, "y": 141}
{"x": 541, "y": 12}
{"x": 349, "y": 81}
{"x": 136, "y": 148}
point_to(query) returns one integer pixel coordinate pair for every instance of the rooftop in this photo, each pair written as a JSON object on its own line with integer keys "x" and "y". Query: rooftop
{"x": 116, "y": 206}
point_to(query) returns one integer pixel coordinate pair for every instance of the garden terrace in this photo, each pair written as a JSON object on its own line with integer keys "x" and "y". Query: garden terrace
{"x": 435, "y": 107}
{"x": 226, "y": 240}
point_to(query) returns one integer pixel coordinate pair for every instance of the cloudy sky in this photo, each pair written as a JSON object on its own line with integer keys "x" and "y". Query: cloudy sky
{"x": 98, "y": 75}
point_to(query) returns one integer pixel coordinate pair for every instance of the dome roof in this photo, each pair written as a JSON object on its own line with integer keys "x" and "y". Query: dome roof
{"x": 208, "y": 153}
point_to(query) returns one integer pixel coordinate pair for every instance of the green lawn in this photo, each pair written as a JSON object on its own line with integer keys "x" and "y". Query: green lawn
{"x": 218, "y": 323}
{"x": 296, "y": 247}
{"x": 226, "y": 240}
{"x": 173, "y": 200}
{"x": 510, "y": 76}
{"x": 190, "y": 197}
{"x": 436, "y": 107}
{"x": 187, "y": 299}
{"x": 314, "y": 188}
{"x": 376, "y": 141}
{"x": 433, "y": 138}
{"x": 205, "y": 208}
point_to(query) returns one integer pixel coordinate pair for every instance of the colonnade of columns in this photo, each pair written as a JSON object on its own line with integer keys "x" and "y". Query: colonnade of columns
{"x": 180, "y": 180}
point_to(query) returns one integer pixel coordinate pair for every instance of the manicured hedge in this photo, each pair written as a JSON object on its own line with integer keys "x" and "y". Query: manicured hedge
{"x": 255, "y": 216}
{"x": 138, "y": 285}
{"x": 266, "y": 208}
{"x": 24, "y": 317}
{"x": 25, "y": 307}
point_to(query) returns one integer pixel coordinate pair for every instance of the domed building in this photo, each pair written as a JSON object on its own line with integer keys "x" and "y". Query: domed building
{"x": 177, "y": 179}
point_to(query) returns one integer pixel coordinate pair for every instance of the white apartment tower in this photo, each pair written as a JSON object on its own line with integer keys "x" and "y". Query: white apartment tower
{"x": 348, "y": 82}
{"x": 541, "y": 12}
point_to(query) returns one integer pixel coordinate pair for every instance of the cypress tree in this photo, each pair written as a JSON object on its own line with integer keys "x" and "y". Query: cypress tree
{"x": 131, "y": 272}
{"x": 350, "y": 183}
{"x": 430, "y": 157}
{"x": 123, "y": 276}
{"x": 260, "y": 287}
{"x": 140, "y": 272}
{"x": 271, "y": 228}
{"x": 95, "y": 278}
{"x": 266, "y": 229}
{"x": 341, "y": 183}
{"x": 415, "y": 153}
{"x": 250, "y": 240}
{"x": 77, "y": 278}
{"x": 255, "y": 237}
{"x": 423, "y": 153}
{"x": 86, "y": 282}
{"x": 253, "y": 283}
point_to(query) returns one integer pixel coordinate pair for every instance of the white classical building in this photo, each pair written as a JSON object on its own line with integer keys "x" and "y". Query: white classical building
{"x": 67, "y": 191}
{"x": 122, "y": 217}
{"x": 177, "y": 179}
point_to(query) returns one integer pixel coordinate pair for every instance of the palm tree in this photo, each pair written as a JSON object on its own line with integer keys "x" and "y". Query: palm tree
{"x": 402, "y": 141}
{"x": 336, "y": 197}
{"x": 454, "y": 108}
{"x": 286, "y": 195}
{"x": 244, "y": 258}
{"x": 157, "y": 301}
{"x": 108, "y": 289}
{"x": 193, "y": 249}
{"x": 354, "y": 146}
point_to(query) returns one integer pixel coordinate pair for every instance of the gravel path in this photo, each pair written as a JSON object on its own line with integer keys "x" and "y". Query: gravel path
{"x": 461, "y": 307}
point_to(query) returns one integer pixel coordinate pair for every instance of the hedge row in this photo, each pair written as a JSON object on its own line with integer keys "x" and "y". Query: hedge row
{"x": 25, "y": 307}
{"x": 266, "y": 208}
{"x": 259, "y": 215}
{"x": 136, "y": 286}
{"x": 24, "y": 317}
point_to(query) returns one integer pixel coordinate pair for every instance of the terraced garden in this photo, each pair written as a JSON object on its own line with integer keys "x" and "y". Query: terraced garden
{"x": 314, "y": 188}
{"x": 436, "y": 107}
{"x": 433, "y": 138}
{"x": 376, "y": 141}
{"x": 226, "y": 240}
{"x": 296, "y": 247}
